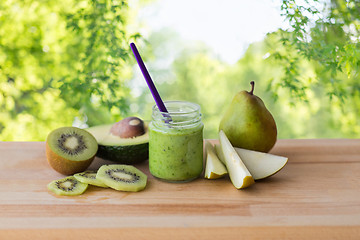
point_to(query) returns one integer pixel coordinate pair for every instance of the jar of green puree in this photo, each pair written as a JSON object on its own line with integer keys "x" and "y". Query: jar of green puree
{"x": 176, "y": 142}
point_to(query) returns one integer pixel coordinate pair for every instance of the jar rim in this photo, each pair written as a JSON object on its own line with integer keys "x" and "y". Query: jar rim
{"x": 180, "y": 114}
{"x": 196, "y": 107}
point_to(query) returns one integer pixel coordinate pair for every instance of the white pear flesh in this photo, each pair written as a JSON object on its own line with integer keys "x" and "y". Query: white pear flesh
{"x": 239, "y": 174}
{"x": 219, "y": 152}
{"x": 214, "y": 168}
{"x": 260, "y": 165}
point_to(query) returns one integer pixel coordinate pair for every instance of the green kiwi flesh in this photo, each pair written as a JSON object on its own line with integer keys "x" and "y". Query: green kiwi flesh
{"x": 72, "y": 143}
{"x": 122, "y": 177}
{"x": 68, "y": 186}
{"x": 89, "y": 177}
{"x": 70, "y": 150}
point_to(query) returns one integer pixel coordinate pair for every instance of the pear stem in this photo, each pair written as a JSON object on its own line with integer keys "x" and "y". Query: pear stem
{"x": 252, "y": 87}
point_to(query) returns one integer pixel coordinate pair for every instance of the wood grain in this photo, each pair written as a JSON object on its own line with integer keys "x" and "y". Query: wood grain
{"x": 316, "y": 194}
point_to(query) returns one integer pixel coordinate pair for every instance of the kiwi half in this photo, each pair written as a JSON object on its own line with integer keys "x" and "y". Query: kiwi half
{"x": 89, "y": 177}
{"x": 68, "y": 186}
{"x": 122, "y": 177}
{"x": 70, "y": 150}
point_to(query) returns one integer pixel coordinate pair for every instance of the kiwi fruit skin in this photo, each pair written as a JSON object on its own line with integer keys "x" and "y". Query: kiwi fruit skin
{"x": 78, "y": 189}
{"x": 89, "y": 177}
{"x": 129, "y": 186}
{"x": 67, "y": 166}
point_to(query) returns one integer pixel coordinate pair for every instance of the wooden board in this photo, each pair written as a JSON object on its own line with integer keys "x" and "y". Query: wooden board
{"x": 315, "y": 196}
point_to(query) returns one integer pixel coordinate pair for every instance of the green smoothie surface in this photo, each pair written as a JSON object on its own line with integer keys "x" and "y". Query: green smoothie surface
{"x": 176, "y": 153}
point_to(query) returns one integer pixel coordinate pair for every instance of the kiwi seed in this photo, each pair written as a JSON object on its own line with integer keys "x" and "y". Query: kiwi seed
{"x": 113, "y": 174}
{"x": 89, "y": 177}
{"x": 67, "y": 137}
{"x": 70, "y": 150}
{"x": 69, "y": 186}
{"x": 122, "y": 177}
{"x": 62, "y": 184}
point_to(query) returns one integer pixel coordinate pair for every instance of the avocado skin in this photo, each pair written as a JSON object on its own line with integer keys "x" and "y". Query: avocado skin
{"x": 130, "y": 154}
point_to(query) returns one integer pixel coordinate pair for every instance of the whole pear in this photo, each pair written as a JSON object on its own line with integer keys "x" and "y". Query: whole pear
{"x": 248, "y": 124}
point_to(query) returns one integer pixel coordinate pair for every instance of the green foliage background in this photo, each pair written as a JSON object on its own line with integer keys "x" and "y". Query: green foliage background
{"x": 62, "y": 61}
{"x": 69, "y": 63}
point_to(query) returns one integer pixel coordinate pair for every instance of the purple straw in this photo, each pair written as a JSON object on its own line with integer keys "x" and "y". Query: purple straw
{"x": 154, "y": 92}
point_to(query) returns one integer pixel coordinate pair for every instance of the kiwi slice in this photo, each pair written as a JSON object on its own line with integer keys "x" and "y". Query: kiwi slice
{"x": 89, "y": 177}
{"x": 70, "y": 150}
{"x": 122, "y": 177}
{"x": 68, "y": 186}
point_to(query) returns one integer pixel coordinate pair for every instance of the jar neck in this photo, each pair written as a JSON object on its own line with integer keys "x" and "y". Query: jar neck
{"x": 180, "y": 114}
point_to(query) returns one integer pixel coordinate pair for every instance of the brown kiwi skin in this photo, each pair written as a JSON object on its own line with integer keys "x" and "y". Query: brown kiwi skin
{"x": 65, "y": 166}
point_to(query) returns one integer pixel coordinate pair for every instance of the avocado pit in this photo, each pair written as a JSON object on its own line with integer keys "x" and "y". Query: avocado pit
{"x": 116, "y": 148}
{"x": 128, "y": 128}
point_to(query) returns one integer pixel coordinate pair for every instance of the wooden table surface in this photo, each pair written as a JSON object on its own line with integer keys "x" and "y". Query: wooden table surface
{"x": 315, "y": 196}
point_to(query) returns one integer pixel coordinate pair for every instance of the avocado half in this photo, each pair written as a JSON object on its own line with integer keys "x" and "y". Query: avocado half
{"x": 120, "y": 150}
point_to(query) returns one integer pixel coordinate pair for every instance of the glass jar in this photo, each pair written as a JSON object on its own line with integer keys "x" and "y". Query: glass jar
{"x": 176, "y": 142}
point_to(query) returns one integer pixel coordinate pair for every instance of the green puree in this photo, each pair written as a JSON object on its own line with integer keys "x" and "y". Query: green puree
{"x": 176, "y": 154}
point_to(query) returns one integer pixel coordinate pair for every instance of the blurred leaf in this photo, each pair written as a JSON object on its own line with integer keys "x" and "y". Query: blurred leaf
{"x": 61, "y": 61}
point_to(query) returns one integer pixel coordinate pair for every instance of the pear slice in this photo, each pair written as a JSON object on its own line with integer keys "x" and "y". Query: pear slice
{"x": 219, "y": 152}
{"x": 239, "y": 174}
{"x": 214, "y": 167}
{"x": 260, "y": 165}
